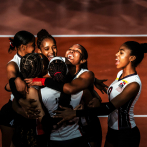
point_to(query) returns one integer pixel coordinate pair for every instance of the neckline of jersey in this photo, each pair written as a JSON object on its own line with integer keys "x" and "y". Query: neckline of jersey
{"x": 19, "y": 55}
{"x": 127, "y": 76}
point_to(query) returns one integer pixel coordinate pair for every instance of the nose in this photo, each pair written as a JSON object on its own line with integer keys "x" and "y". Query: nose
{"x": 71, "y": 51}
{"x": 116, "y": 54}
{"x": 51, "y": 51}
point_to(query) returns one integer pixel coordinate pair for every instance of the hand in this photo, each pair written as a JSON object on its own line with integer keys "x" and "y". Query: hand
{"x": 31, "y": 114}
{"x": 21, "y": 86}
{"x": 66, "y": 114}
{"x": 22, "y": 112}
{"x": 30, "y": 107}
{"x": 79, "y": 107}
{"x": 94, "y": 103}
{"x": 30, "y": 82}
{"x": 100, "y": 85}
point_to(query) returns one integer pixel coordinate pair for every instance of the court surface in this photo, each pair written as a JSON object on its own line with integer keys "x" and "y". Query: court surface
{"x": 101, "y": 61}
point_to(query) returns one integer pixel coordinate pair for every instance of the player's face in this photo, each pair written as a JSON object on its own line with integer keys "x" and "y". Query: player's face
{"x": 74, "y": 54}
{"x": 123, "y": 57}
{"x": 30, "y": 47}
{"x": 48, "y": 48}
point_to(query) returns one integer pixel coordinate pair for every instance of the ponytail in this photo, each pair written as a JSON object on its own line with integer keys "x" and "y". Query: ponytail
{"x": 41, "y": 35}
{"x": 137, "y": 50}
{"x": 21, "y": 37}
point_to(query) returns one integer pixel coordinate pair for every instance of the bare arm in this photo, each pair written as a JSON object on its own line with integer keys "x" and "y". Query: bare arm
{"x": 129, "y": 92}
{"x": 12, "y": 72}
{"x": 83, "y": 82}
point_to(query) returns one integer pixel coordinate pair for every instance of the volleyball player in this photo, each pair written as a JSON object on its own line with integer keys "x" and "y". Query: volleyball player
{"x": 23, "y": 43}
{"x": 123, "y": 93}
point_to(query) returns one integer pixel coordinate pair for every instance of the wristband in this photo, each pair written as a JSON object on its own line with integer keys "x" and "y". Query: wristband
{"x": 7, "y": 89}
{"x": 42, "y": 80}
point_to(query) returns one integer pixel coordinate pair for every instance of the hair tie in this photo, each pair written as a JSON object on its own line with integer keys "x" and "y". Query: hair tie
{"x": 11, "y": 43}
{"x": 56, "y": 73}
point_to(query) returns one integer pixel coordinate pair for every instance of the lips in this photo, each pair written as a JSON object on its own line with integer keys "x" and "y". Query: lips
{"x": 117, "y": 62}
{"x": 70, "y": 57}
{"x": 50, "y": 57}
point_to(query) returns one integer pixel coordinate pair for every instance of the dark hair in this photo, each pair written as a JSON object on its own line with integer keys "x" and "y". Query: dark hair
{"x": 21, "y": 37}
{"x": 85, "y": 56}
{"x": 58, "y": 70}
{"x": 33, "y": 65}
{"x": 137, "y": 49}
{"x": 41, "y": 35}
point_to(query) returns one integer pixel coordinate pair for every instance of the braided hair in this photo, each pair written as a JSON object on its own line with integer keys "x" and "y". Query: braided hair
{"x": 21, "y": 37}
{"x": 41, "y": 35}
{"x": 58, "y": 69}
{"x": 33, "y": 65}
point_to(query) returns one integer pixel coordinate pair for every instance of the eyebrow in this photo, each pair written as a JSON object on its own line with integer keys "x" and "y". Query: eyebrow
{"x": 121, "y": 49}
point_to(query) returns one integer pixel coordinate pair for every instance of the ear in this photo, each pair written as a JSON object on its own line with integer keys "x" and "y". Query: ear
{"x": 83, "y": 61}
{"x": 39, "y": 51}
{"x": 23, "y": 47}
{"x": 132, "y": 58}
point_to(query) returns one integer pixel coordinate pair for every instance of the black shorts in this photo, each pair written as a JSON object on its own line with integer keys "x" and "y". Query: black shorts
{"x": 92, "y": 132}
{"x": 124, "y": 138}
{"x": 7, "y": 115}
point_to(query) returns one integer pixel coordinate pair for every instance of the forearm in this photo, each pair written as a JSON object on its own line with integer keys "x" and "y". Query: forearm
{"x": 96, "y": 95}
{"x": 12, "y": 70}
{"x": 104, "y": 109}
{"x": 16, "y": 107}
{"x": 16, "y": 94}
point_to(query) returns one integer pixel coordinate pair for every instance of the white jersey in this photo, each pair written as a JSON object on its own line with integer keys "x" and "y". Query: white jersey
{"x": 50, "y": 100}
{"x": 123, "y": 117}
{"x": 16, "y": 59}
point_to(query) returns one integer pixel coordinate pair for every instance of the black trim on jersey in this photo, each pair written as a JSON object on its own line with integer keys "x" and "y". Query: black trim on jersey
{"x": 76, "y": 74}
{"x": 19, "y": 55}
{"x": 123, "y": 115}
{"x": 109, "y": 92}
{"x": 127, "y": 76}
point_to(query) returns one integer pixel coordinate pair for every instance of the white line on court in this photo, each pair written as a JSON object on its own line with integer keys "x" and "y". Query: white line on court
{"x": 134, "y": 116}
{"x": 117, "y": 35}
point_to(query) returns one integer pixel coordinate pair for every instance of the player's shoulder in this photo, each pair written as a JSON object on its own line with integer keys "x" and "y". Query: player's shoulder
{"x": 87, "y": 74}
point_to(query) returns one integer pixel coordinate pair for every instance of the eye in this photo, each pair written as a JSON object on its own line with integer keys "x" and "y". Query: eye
{"x": 121, "y": 52}
{"x": 77, "y": 51}
{"x": 46, "y": 49}
{"x": 54, "y": 47}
